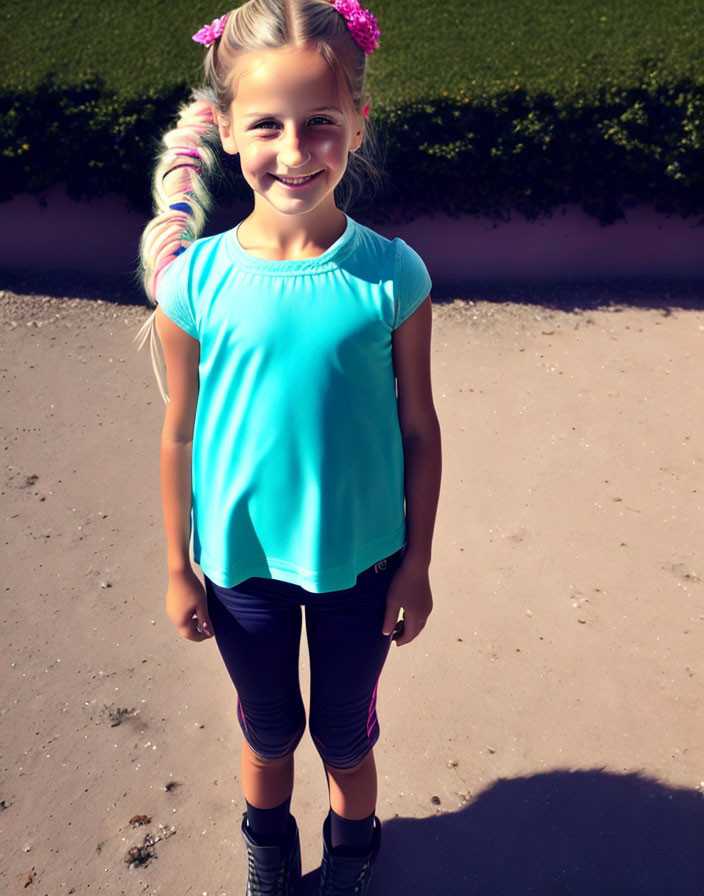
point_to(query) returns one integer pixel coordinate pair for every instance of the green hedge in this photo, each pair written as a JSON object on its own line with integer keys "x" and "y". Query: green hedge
{"x": 488, "y": 155}
{"x": 532, "y": 154}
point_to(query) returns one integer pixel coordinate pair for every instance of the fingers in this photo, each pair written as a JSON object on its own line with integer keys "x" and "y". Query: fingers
{"x": 196, "y": 626}
{"x": 200, "y": 628}
{"x": 204, "y": 622}
{"x": 409, "y": 630}
{"x": 405, "y": 629}
{"x": 410, "y": 595}
{"x": 390, "y": 617}
{"x": 195, "y": 630}
{"x": 189, "y": 614}
{"x": 189, "y": 631}
{"x": 187, "y": 606}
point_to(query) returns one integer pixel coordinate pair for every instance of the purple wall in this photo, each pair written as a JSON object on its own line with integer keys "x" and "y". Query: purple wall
{"x": 101, "y": 235}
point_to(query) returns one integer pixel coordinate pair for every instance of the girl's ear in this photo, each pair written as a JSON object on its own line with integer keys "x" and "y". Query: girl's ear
{"x": 357, "y": 135}
{"x": 226, "y": 133}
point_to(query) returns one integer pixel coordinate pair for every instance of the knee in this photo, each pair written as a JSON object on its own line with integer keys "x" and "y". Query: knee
{"x": 340, "y": 748}
{"x": 263, "y": 762}
{"x": 360, "y": 768}
{"x": 271, "y": 754}
{"x": 272, "y": 735}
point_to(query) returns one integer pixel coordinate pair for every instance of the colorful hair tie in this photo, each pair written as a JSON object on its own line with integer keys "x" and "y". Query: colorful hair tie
{"x": 208, "y": 34}
{"x": 182, "y": 207}
{"x": 361, "y": 24}
{"x": 185, "y": 151}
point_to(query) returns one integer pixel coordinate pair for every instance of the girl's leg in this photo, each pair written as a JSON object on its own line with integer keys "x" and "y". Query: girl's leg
{"x": 347, "y": 654}
{"x": 353, "y": 794}
{"x": 257, "y": 627}
{"x": 353, "y": 791}
{"x": 266, "y": 783}
{"x": 257, "y": 630}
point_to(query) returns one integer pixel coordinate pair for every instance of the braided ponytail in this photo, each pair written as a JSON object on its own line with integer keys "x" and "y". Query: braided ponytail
{"x": 181, "y": 197}
{"x": 181, "y": 201}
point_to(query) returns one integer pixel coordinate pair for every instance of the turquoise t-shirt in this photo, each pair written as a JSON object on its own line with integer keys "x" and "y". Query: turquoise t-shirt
{"x": 297, "y": 449}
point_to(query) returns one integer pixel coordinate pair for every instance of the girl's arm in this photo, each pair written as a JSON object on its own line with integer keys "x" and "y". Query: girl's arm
{"x": 410, "y": 587}
{"x": 185, "y": 598}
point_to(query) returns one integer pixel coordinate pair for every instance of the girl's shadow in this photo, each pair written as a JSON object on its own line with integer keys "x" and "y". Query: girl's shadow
{"x": 562, "y": 833}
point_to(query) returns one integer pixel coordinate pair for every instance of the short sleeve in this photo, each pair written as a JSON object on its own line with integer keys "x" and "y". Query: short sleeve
{"x": 411, "y": 282}
{"x": 173, "y": 295}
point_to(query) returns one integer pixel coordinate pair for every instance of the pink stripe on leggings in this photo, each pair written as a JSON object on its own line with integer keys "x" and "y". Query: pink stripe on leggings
{"x": 372, "y": 707}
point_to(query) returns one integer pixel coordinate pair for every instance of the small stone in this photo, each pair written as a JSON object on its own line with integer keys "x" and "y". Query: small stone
{"x": 435, "y": 800}
{"x": 452, "y": 763}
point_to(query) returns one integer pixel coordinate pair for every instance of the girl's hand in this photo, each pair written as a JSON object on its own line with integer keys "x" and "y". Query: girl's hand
{"x": 187, "y": 607}
{"x": 409, "y": 591}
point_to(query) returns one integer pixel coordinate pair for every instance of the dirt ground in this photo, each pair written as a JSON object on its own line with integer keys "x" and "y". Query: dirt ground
{"x": 543, "y": 736}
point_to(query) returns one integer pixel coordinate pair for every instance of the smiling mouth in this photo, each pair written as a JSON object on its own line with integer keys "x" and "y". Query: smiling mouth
{"x": 295, "y": 181}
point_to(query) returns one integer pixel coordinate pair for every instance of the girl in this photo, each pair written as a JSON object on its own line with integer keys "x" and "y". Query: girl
{"x": 286, "y": 451}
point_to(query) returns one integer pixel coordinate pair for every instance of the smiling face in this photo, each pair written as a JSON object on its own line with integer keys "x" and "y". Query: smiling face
{"x": 292, "y": 127}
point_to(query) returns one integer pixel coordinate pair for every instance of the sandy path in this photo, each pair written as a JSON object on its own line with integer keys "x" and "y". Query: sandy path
{"x": 543, "y": 736}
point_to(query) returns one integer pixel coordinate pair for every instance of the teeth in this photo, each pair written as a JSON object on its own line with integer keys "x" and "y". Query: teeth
{"x": 294, "y": 181}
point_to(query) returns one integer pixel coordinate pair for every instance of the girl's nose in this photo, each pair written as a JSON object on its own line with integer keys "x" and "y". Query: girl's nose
{"x": 292, "y": 152}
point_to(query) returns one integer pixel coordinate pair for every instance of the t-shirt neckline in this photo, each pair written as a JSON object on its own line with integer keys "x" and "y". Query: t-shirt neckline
{"x": 328, "y": 260}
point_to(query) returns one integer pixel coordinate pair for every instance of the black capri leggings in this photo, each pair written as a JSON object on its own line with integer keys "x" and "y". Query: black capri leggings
{"x": 257, "y": 627}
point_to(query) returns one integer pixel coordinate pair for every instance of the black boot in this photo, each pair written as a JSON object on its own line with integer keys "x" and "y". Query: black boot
{"x": 273, "y": 870}
{"x": 343, "y": 873}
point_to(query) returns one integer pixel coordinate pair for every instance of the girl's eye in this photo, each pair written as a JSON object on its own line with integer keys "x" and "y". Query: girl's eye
{"x": 270, "y": 124}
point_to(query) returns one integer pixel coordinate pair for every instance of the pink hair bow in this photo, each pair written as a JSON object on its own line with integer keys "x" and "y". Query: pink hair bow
{"x": 208, "y": 34}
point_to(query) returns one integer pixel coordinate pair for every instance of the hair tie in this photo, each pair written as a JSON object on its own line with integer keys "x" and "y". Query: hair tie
{"x": 361, "y": 24}
{"x": 208, "y": 34}
{"x": 182, "y": 207}
{"x": 185, "y": 151}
